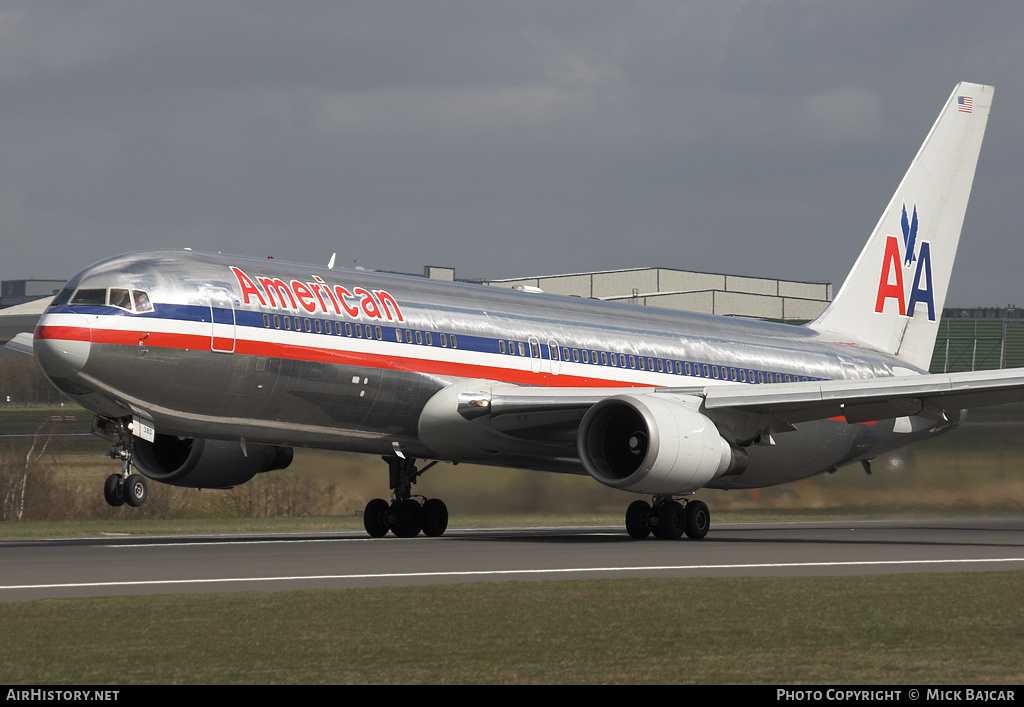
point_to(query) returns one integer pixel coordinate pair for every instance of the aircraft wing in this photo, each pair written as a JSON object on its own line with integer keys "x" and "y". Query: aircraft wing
{"x": 858, "y": 400}
{"x": 550, "y": 417}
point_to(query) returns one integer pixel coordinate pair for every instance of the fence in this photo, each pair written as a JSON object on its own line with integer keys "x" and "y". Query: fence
{"x": 978, "y": 345}
{"x": 48, "y": 396}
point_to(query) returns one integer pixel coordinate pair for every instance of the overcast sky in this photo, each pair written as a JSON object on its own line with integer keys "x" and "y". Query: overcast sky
{"x": 504, "y": 139}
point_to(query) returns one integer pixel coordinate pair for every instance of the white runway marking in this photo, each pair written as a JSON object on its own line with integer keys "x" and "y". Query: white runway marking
{"x": 505, "y": 573}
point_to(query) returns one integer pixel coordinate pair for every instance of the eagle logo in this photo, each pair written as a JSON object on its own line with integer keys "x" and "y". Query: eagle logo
{"x": 909, "y": 236}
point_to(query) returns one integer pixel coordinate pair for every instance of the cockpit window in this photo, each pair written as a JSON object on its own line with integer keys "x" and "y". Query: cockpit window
{"x": 62, "y": 297}
{"x": 120, "y": 298}
{"x": 142, "y": 303}
{"x": 131, "y": 300}
{"x": 90, "y": 297}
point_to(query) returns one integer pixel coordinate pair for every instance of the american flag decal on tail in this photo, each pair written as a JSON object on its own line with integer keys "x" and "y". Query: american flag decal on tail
{"x": 964, "y": 104}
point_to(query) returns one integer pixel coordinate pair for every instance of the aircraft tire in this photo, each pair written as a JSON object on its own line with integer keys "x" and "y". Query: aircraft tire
{"x": 671, "y": 521}
{"x": 698, "y": 520}
{"x": 136, "y": 490}
{"x": 638, "y": 520}
{"x": 375, "y": 518}
{"x": 112, "y": 491}
{"x": 408, "y": 518}
{"x": 435, "y": 517}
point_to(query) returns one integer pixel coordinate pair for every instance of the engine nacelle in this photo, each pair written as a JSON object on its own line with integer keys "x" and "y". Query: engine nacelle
{"x": 649, "y": 444}
{"x": 205, "y": 463}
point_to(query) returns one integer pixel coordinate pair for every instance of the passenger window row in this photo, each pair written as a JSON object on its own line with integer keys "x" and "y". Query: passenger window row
{"x": 533, "y": 349}
{"x": 650, "y": 363}
{"x": 354, "y": 330}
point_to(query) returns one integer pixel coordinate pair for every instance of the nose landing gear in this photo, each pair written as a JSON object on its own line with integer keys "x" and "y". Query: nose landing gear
{"x": 125, "y": 487}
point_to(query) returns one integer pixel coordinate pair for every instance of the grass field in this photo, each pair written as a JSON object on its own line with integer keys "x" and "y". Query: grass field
{"x": 923, "y": 629}
{"x": 28, "y": 420}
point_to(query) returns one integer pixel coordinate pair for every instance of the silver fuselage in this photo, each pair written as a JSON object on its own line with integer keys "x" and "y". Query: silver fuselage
{"x": 205, "y": 351}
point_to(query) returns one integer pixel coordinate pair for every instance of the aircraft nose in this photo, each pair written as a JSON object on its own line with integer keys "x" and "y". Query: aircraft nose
{"x": 61, "y": 344}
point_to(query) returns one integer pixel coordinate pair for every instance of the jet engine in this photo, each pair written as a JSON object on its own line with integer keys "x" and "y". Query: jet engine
{"x": 205, "y": 463}
{"x": 650, "y": 444}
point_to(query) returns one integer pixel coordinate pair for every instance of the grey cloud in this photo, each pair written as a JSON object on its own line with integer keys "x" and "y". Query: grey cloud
{"x": 523, "y": 138}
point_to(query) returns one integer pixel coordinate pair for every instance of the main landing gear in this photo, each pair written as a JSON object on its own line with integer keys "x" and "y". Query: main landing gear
{"x": 405, "y": 516}
{"x": 125, "y": 487}
{"x": 668, "y": 519}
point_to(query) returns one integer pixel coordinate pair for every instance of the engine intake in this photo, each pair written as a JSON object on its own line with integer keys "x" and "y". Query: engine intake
{"x": 650, "y": 444}
{"x": 205, "y": 463}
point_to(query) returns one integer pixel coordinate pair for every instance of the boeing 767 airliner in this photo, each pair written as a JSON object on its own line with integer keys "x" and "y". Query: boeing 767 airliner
{"x": 206, "y": 369}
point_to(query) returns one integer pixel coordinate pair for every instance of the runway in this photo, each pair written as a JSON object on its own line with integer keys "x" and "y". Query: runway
{"x": 123, "y": 565}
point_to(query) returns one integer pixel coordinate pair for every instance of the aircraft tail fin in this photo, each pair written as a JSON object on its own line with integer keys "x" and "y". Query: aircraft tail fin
{"x": 893, "y": 297}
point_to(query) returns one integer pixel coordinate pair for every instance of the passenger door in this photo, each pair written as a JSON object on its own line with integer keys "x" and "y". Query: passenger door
{"x": 222, "y": 318}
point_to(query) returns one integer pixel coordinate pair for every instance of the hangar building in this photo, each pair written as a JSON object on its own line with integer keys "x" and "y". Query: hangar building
{"x": 707, "y": 293}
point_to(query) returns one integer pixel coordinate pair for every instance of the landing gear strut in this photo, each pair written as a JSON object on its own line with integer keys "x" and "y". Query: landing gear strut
{"x": 406, "y": 516}
{"x": 125, "y": 487}
{"x": 668, "y": 519}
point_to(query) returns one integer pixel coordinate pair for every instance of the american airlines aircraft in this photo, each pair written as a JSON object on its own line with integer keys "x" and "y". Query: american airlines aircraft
{"x": 205, "y": 369}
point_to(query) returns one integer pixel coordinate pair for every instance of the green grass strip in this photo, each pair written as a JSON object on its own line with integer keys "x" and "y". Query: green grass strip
{"x": 895, "y": 629}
